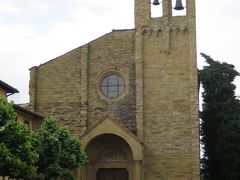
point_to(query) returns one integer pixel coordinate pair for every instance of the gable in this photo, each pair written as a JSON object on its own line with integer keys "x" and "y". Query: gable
{"x": 111, "y": 126}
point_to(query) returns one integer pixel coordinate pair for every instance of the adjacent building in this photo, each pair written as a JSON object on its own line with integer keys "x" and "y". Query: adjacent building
{"x": 32, "y": 119}
{"x": 7, "y": 90}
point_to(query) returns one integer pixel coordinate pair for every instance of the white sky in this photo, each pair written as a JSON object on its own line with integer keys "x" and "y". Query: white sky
{"x": 35, "y": 31}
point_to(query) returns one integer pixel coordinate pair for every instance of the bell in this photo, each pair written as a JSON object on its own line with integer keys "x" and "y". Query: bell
{"x": 179, "y": 5}
{"x": 156, "y": 2}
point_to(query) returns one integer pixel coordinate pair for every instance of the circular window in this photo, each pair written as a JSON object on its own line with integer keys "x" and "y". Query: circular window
{"x": 112, "y": 85}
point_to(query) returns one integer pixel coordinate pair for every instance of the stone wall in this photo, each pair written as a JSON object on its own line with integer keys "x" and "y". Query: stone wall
{"x": 112, "y": 53}
{"x": 166, "y": 92}
{"x": 167, "y": 121}
{"x": 68, "y": 87}
{"x": 55, "y": 90}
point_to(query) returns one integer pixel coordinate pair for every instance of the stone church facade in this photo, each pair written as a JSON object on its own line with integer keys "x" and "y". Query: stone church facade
{"x": 131, "y": 96}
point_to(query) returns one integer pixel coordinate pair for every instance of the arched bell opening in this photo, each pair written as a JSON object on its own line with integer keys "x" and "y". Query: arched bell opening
{"x": 156, "y": 8}
{"x": 179, "y": 7}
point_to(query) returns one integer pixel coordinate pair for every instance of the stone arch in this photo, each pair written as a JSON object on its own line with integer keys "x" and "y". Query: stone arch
{"x": 111, "y": 126}
{"x": 110, "y": 145}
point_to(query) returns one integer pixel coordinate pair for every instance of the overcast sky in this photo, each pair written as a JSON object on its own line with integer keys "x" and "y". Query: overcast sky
{"x": 35, "y": 31}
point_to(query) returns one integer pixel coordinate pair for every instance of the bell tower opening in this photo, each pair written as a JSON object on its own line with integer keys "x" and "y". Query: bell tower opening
{"x": 155, "y": 13}
{"x": 156, "y": 9}
{"x": 179, "y": 8}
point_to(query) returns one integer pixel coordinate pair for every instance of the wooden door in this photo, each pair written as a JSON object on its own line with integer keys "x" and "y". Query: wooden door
{"x": 112, "y": 174}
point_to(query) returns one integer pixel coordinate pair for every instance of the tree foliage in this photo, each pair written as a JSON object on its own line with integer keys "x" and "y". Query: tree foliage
{"x": 59, "y": 153}
{"x": 50, "y": 152}
{"x": 6, "y": 112}
{"x": 220, "y": 127}
{"x": 17, "y": 155}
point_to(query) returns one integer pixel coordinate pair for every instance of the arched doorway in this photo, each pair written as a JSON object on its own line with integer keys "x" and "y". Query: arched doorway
{"x": 111, "y": 148}
{"x": 110, "y": 157}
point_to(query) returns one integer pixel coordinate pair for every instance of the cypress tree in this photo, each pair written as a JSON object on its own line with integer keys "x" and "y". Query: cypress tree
{"x": 220, "y": 121}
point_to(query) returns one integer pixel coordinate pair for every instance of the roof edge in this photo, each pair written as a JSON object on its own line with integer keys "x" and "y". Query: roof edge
{"x": 8, "y": 88}
{"x": 114, "y": 30}
{"x": 15, "y": 106}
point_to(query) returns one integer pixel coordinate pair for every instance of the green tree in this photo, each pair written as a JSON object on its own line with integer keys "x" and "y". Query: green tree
{"x": 220, "y": 121}
{"x": 59, "y": 153}
{"x": 17, "y": 155}
{"x": 6, "y": 112}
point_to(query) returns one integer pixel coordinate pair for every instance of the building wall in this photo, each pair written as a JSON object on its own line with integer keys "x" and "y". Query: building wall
{"x": 69, "y": 86}
{"x": 113, "y": 53}
{"x": 24, "y": 120}
{"x": 34, "y": 121}
{"x": 167, "y": 95}
{"x": 3, "y": 92}
{"x": 167, "y": 90}
{"x": 160, "y": 103}
{"x": 55, "y": 90}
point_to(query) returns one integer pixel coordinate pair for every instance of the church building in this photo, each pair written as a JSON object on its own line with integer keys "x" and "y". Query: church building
{"x": 131, "y": 96}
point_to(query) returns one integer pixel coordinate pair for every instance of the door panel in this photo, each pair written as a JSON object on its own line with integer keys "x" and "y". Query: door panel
{"x": 112, "y": 174}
